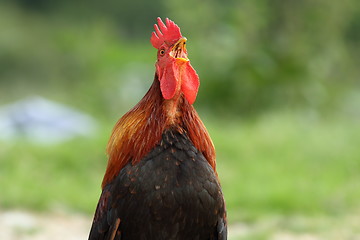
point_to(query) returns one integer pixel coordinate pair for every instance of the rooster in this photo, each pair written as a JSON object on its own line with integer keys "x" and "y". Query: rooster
{"x": 161, "y": 180}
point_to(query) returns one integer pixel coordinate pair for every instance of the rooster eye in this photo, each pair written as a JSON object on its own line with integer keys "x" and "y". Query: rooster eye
{"x": 162, "y": 52}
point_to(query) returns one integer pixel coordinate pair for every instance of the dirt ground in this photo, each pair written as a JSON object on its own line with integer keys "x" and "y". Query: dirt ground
{"x": 25, "y": 225}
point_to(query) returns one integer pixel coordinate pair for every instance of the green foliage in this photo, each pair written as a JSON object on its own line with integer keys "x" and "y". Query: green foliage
{"x": 251, "y": 55}
{"x": 257, "y": 55}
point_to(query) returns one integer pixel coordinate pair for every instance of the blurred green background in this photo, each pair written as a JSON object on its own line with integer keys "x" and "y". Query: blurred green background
{"x": 280, "y": 96}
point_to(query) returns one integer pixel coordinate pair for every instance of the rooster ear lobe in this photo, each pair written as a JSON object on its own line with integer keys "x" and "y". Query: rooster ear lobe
{"x": 168, "y": 82}
{"x": 190, "y": 83}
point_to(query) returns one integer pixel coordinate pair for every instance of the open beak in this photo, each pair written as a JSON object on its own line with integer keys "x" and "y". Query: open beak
{"x": 179, "y": 51}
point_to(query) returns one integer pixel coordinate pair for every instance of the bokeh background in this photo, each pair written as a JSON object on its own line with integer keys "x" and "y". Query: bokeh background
{"x": 280, "y": 96}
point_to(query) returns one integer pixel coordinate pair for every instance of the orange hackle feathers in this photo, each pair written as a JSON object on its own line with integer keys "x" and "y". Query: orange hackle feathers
{"x": 169, "y": 33}
{"x": 139, "y": 130}
{"x": 135, "y": 134}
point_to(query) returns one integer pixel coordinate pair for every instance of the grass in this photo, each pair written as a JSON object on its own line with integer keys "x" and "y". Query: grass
{"x": 40, "y": 178}
{"x": 277, "y": 164}
{"x": 289, "y": 164}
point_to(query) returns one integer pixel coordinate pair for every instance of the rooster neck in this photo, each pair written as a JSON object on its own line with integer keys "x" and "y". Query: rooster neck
{"x": 140, "y": 129}
{"x": 171, "y": 108}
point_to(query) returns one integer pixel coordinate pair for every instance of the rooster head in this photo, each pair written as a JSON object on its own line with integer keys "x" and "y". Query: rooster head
{"x": 173, "y": 68}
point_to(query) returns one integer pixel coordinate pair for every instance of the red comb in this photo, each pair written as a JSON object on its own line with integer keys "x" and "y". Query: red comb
{"x": 169, "y": 33}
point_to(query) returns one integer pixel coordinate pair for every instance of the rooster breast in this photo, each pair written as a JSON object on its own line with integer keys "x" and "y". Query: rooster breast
{"x": 172, "y": 193}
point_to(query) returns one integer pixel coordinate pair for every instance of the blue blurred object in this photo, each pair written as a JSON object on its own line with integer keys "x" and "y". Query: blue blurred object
{"x": 43, "y": 121}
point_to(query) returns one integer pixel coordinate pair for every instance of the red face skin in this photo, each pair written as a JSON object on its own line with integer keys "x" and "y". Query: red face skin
{"x": 175, "y": 73}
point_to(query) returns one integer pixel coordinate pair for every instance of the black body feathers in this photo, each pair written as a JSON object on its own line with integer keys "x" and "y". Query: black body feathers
{"x": 171, "y": 194}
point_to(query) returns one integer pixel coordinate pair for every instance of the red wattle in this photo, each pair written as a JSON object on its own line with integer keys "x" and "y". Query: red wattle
{"x": 169, "y": 81}
{"x": 173, "y": 75}
{"x": 190, "y": 83}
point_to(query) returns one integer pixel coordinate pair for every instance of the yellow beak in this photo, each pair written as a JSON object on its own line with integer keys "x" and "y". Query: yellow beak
{"x": 179, "y": 51}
